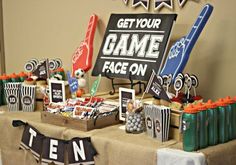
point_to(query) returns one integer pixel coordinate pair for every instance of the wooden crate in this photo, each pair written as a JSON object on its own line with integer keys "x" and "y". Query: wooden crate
{"x": 83, "y": 125}
{"x": 175, "y": 125}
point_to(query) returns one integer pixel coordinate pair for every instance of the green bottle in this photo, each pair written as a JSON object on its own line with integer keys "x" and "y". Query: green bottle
{"x": 234, "y": 118}
{"x": 22, "y": 76}
{"x": 212, "y": 123}
{"x": 61, "y": 72}
{"x": 230, "y": 110}
{"x": 5, "y": 79}
{"x": 14, "y": 78}
{"x": 190, "y": 129}
{"x": 203, "y": 125}
{"x": 223, "y": 118}
{"x": 1, "y": 91}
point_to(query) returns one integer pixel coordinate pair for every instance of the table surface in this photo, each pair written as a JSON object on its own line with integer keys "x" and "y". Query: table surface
{"x": 113, "y": 145}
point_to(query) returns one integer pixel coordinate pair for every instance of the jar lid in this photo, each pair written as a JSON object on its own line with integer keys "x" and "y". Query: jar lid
{"x": 210, "y": 104}
{"x": 201, "y": 107}
{"x": 228, "y": 100}
{"x": 5, "y": 77}
{"x": 13, "y": 75}
{"x": 22, "y": 74}
{"x": 190, "y": 109}
{"x": 60, "y": 70}
{"x": 221, "y": 103}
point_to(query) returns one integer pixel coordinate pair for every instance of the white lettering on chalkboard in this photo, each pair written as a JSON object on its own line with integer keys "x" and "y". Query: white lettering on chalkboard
{"x": 119, "y": 46}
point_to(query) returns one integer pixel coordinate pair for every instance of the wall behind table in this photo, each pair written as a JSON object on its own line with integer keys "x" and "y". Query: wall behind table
{"x": 51, "y": 29}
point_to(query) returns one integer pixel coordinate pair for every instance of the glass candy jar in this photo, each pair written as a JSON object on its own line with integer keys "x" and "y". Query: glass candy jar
{"x": 134, "y": 122}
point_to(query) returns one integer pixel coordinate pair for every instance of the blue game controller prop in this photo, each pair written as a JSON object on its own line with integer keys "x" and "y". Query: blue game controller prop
{"x": 180, "y": 51}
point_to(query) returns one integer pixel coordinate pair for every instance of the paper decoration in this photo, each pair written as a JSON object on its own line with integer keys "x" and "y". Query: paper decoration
{"x": 79, "y": 150}
{"x": 42, "y": 70}
{"x": 155, "y": 88}
{"x": 124, "y": 95}
{"x": 125, "y": 1}
{"x": 12, "y": 92}
{"x": 180, "y": 51}
{"x": 95, "y": 86}
{"x": 32, "y": 140}
{"x": 57, "y": 91}
{"x": 158, "y": 4}
{"x": 144, "y": 3}
{"x": 134, "y": 44}
{"x": 82, "y": 58}
{"x": 53, "y": 151}
{"x": 73, "y": 83}
{"x": 157, "y": 119}
{"x": 28, "y": 93}
{"x": 182, "y": 2}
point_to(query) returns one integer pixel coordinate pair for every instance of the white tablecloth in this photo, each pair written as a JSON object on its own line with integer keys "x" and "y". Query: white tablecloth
{"x": 166, "y": 156}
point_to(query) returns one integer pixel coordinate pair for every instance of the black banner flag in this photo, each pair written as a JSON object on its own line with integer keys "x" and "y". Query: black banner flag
{"x": 182, "y": 2}
{"x": 155, "y": 88}
{"x": 134, "y": 44}
{"x": 144, "y": 3}
{"x": 81, "y": 151}
{"x": 161, "y": 3}
{"x": 32, "y": 140}
{"x": 42, "y": 70}
{"x": 53, "y": 151}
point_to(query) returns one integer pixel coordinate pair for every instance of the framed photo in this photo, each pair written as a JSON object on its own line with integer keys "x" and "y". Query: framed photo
{"x": 125, "y": 94}
{"x": 57, "y": 91}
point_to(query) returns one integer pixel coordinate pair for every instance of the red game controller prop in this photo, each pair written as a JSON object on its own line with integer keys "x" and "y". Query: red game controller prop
{"x": 82, "y": 57}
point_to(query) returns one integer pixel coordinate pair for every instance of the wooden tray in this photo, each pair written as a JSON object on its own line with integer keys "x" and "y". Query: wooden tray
{"x": 175, "y": 120}
{"x": 83, "y": 125}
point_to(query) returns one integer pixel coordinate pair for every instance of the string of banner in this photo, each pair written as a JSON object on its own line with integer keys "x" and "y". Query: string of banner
{"x": 50, "y": 150}
{"x": 158, "y": 4}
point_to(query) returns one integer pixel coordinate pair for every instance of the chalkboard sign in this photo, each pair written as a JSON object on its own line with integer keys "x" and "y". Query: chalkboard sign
{"x": 134, "y": 44}
{"x": 125, "y": 95}
{"x": 57, "y": 91}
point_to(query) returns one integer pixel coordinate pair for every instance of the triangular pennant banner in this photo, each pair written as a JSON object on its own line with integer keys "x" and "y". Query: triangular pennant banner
{"x": 125, "y": 1}
{"x": 155, "y": 88}
{"x": 182, "y": 2}
{"x": 53, "y": 151}
{"x": 95, "y": 86}
{"x": 32, "y": 140}
{"x": 42, "y": 70}
{"x": 144, "y": 3}
{"x": 81, "y": 151}
{"x": 158, "y": 4}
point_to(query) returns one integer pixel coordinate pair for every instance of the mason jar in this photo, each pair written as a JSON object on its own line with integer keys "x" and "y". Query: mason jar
{"x": 134, "y": 122}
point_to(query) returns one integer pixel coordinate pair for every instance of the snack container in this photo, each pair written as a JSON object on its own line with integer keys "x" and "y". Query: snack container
{"x": 134, "y": 122}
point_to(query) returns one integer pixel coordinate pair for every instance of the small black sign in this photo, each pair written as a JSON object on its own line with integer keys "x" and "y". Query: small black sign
{"x": 125, "y": 95}
{"x": 57, "y": 91}
{"x": 134, "y": 43}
